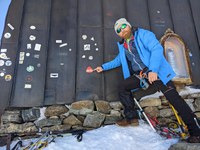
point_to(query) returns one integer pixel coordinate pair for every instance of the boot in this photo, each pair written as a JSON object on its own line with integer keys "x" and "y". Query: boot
{"x": 193, "y": 139}
{"x": 125, "y": 122}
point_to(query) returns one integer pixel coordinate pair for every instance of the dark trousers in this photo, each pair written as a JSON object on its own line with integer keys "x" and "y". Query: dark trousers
{"x": 169, "y": 92}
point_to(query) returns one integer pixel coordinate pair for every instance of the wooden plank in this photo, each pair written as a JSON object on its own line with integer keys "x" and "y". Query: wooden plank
{"x": 89, "y": 86}
{"x": 90, "y": 13}
{"x": 184, "y": 26}
{"x": 9, "y": 47}
{"x": 62, "y": 53}
{"x": 160, "y": 16}
{"x": 115, "y": 76}
{"x": 31, "y": 69}
{"x": 112, "y": 11}
{"x": 195, "y": 5}
{"x": 137, "y": 13}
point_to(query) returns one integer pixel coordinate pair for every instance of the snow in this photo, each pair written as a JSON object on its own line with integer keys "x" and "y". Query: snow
{"x": 112, "y": 137}
{"x": 189, "y": 90}
{"x": 185, "y": 91}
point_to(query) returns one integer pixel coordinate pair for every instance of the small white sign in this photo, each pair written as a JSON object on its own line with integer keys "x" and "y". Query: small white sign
{"x": 90, "y": 57}
{"x": 27, "y": 86}
{"x": 28, "y": 46}
{"x": 2, "y": 74}
{"x": 4, "y": 56}
{"x": 28, "y": 54}
{"x": 84, "y": 37}
{"x": 1, "y": 62}
{"x": 7, "y": 35}
{"x": 62, "y": 45}
{"x": 87, "y": 47}
{"x": 58, "y": 41}
{"x": 3, "y": 50}
{"x": 53, "y": 75}
{"x": 32, "y": 38}
{"x": 37, "y": 47}
{"x": 36, "y": 56}
{"x": 10, "y": 26}
{"x": 32, "y": 27}
{"x": 21, "y": 56}
{"x": 21, "y": 62}
{"x": 92, "y": 39}
{"x": 8, "y": 63}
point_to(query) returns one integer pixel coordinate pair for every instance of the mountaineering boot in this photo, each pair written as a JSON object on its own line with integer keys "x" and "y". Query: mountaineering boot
{"x": 125, "y": 122}
{"x": 193, "y": 139}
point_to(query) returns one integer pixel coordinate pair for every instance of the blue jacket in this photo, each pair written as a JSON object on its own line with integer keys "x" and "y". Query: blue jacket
{"x": 151, "y": 53}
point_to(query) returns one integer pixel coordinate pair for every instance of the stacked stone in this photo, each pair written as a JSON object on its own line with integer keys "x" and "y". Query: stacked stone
{"x": 85, "y": 115}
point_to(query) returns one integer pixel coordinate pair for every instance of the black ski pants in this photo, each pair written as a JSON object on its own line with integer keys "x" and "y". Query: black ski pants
{"x": 169, "y": 92}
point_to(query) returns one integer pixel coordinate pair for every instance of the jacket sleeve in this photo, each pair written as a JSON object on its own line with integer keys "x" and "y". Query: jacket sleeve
{"x": 112, "y": 64}
{"x": 156, "y": 51}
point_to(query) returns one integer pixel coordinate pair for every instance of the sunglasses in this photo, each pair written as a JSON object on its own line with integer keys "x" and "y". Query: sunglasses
{"x": 123, "y": 26}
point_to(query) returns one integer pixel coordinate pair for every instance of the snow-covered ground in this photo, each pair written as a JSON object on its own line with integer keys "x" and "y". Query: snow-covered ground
{"x": 113, "y": 137}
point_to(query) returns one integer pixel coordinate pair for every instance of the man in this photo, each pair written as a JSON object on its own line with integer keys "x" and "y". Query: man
{"x": 139, "y": 51}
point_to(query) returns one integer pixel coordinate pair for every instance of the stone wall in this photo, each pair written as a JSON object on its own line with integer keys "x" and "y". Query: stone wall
{"x": 85, "y": 115}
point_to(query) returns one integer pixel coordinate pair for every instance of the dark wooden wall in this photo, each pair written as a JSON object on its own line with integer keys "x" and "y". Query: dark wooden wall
{"x": 58, "y": 76}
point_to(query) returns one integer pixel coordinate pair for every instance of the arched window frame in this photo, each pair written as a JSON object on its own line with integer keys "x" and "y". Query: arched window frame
{"x": 168, "y": 34}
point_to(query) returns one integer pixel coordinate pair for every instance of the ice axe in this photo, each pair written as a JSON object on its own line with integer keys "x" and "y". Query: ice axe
{"x": 143, "y": 113}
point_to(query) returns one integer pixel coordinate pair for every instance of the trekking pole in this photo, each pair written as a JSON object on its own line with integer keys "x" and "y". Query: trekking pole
{"x": 142, "y": 111}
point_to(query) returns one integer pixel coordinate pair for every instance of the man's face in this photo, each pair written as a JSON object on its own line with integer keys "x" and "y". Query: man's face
{"x": 124, "y": 33}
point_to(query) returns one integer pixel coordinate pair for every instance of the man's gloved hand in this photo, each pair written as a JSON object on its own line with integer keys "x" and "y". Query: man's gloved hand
{"x": 152, "y": 76}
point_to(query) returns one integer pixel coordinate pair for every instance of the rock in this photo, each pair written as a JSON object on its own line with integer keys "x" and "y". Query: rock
{"x": 78, "y": 127}
{"x": 81, "y": 118}
{"x": 63, "y": 116}
{"x": 197, "y": 114}
{"x": 190, "y": 103}
{"x": 55, "y": 110}
{"x": 150, "y": 102}
{"x": 152, "y": 111}
{"x": 29, "y": 127}
{"x": 194, "y": 95}
{"x": 48, "y": 122}
{"x": 18, "y": 128}
{"x": 54, "y": 117}
{"x": 57, "y": 128}
{"x": 116, "y": 105}
{"x": 11, "y": 117}
{"x": 94, "y": 120}
{"x": 85, "y": 111}
{"x": 166, "y": 113}
{"x": 184, "y": 96}
{"x": 112, "y": 118}
{"x": 83, "y": 104}
{"x": 72, "y": 120}
{"x": 165, "y": 121}
{"x": 82, "y": 107}
{"x": 185, "y": 146}
{"x": 103, "y": 106}
{"x": 197, "y": 104}
{"x": 163, "y": 107}
{"x": 115, "y": 112}
{"x": 30, "y": 114}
